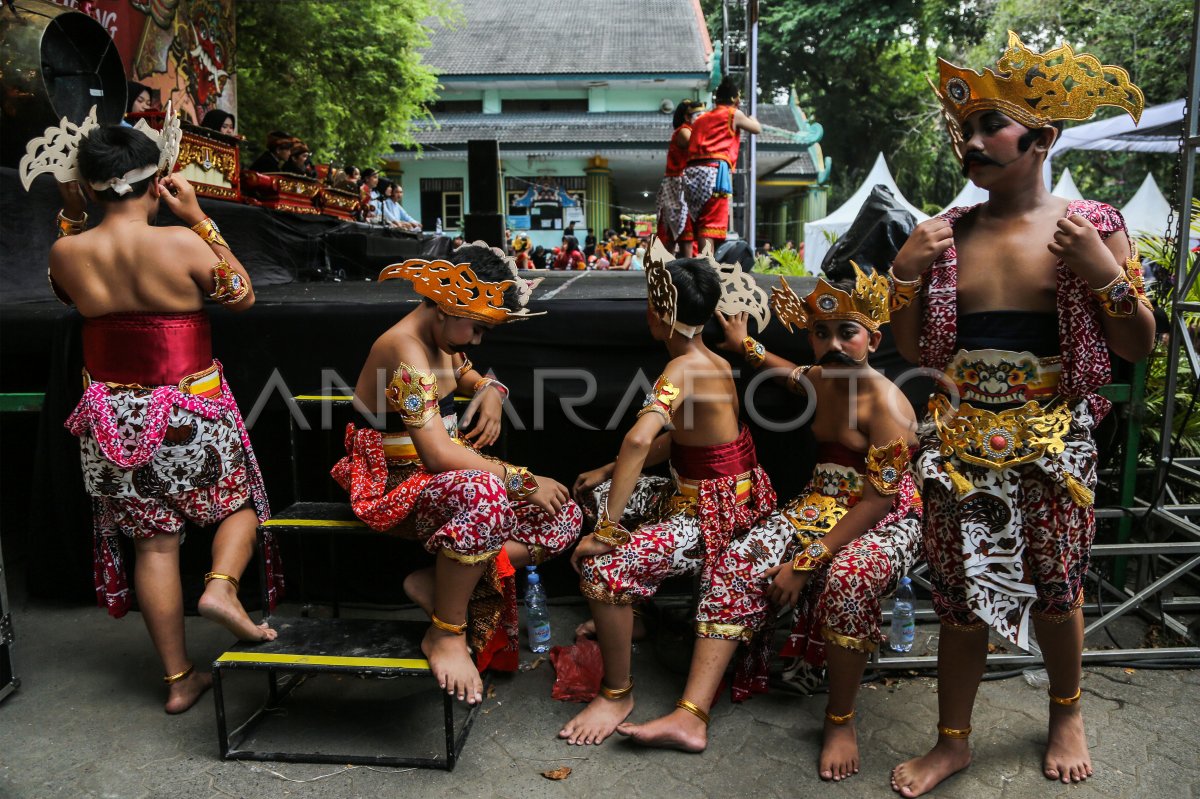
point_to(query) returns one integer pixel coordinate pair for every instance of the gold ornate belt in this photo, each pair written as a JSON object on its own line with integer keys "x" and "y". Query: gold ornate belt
{"x": 399, "y": 447}
{"x": 688, "y": 493}
{"x": 205, "y": 383}
{"x": 1002, "y": 377}
{"x": 1000, "y": 439}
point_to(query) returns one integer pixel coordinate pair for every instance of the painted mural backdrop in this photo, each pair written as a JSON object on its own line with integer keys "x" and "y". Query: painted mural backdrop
{"x": 181, "y": 49}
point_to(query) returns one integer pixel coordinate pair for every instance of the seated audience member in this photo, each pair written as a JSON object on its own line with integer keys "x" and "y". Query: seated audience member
{"x": 298, "y": 161}
{"x": 279, "y": 149}
{"x": 137, "y": 100}
{"x": 569, "y": 256}
{"x": 394, "y": 214}
{"x": 371, "y": 198}
{"x": 347, "y": 179}
{"x": 220, "y": 121}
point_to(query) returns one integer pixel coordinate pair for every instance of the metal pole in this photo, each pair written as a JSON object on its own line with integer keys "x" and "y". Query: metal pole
{"x": 750, "y": 215}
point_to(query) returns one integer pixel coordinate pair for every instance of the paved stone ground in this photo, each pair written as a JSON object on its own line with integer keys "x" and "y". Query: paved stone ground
{"x": 87, "y": 722}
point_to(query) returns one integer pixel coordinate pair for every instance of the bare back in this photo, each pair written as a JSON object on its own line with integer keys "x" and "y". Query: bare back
{"x": 708, "y": 412}
{"x": 1003, "y": 264}
{"x": 133, "y": 267}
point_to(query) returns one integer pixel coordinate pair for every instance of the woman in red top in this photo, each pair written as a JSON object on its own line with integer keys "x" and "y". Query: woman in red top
{"x": 569, "y": 256}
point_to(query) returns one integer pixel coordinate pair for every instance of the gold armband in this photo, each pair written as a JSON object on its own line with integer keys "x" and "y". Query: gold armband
{"x": 413, "y": 394}
{"x": 608, "y": 532}
{"x": 660, "y": 399}
{"x": 70, "y": 227}
{"x": 755, "y": 352}
{"x": 231, "y": 287}
{"x": 518, "y": 482}
{"x": 1119, "y": 299}
{"x": 493, "y": 383}
{"x": 798, "y": 378}
{"x": 812, "y": 557}
{"x": 886, "y": 466}
{"x": 208, "y": 230}
{"x": 464, "y": 368}
{"x": 901, "y": 292}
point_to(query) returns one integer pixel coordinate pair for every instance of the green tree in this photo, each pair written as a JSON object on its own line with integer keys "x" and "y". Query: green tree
{"x": 344, "y": 75}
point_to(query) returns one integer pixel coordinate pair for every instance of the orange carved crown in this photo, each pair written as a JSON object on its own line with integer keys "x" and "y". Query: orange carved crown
{"x": 457, "y": 291}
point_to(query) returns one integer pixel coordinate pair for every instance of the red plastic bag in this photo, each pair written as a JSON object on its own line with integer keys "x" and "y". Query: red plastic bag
{"x": 578, "y": 670}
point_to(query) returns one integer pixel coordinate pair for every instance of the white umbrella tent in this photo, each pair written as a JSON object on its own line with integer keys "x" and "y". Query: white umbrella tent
{"x": 1066, "y": 187}
{"x": 817, "y": 234}
{"x": 1147, "y": 211}
{"x": 1157, "y": 131}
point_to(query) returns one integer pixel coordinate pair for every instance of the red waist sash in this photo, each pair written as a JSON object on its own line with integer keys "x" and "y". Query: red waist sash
{"x": 147, "y": 349}
{"x": 720, "y": 460}
{"x": 839, "y": 453}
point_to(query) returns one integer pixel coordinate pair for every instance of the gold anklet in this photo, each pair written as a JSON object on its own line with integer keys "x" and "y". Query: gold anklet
{"x": 833, "y": 718}
{"x": 616, "y": 694}
{"x": 183, "y": 675}
{"x": 445, "y": 626}
{"x": 1058, "y": 700}
{"x": 692, "y": 708}
{"x": 208, "y": 578}
{"x": 950, "y": 732}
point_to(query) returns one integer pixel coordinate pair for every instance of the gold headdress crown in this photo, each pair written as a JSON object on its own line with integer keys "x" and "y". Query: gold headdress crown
{"x": 867, "y": 304}
{"x": 739, "y": 292}
{"x": 1034, "y": 88}
{"x": 459, "y": 292}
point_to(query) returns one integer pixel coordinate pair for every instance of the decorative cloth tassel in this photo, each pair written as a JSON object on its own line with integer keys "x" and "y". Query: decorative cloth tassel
{"x": 1080, "y": 494}
{"x": 961, "y": 484}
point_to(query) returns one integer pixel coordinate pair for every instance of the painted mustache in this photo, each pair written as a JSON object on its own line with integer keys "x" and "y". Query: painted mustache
{"x": 976, "y": 157}
{"x": 836, "y": 358}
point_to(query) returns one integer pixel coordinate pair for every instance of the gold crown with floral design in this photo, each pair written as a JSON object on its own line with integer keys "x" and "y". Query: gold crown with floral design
{"x": 457, "y": 291}
{"x": 867, "y": 304}
{"x": 1034, "y": 88}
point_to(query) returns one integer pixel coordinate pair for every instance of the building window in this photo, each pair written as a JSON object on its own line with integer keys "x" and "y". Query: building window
{"x": 452, "y": 205}
{"x": 441, "y": 198}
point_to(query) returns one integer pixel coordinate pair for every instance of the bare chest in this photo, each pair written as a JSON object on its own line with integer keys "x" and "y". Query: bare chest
{"x": 1007, "y": 268}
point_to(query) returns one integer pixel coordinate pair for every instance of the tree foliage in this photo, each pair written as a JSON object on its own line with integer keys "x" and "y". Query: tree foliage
{"x": 344, "y": 75}
{"x": 860, "y": 69}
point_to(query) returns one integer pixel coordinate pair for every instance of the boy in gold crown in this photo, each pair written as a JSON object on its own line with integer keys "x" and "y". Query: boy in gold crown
{"x": 483, "y": 518}
{"x": 651, "y": 528}
{"x": 855, "y": 530}
{"x": 1018, "y": 301}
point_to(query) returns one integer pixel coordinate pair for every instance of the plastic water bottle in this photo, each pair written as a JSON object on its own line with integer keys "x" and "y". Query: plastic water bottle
{"x": 900, "y": 638}
{"x": 537, "y": 615}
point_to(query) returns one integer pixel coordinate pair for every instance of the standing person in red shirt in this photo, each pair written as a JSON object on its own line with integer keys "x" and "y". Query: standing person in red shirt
{"x": 712, "y": 155}
{"x": 674, "y": 223}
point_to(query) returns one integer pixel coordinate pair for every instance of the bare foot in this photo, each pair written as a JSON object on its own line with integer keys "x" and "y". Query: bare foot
{"x": 597, "y": 721}
{"x": 219, "y": 603}
{"x": 920, "y": 775}
{"x": 1067, "y": 757}
{"x": 419, "y": 587}
{"x": 588, "y": 629}
{"x": 677, "y": 730}
{"x": 839, "y": 752}
{"x": 450, "y": 661}
{"x": 183, "y": 694}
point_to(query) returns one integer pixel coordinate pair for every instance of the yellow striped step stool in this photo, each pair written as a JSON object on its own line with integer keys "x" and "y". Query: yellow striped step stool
{"x": 359, "y": 648}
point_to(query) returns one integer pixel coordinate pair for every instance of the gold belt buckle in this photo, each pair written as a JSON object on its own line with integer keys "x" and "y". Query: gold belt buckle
{"x": 999, "y": 440}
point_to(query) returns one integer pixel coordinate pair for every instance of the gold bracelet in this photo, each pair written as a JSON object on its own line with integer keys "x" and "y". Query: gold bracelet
{"x": 208, "y": 230}
{"x": 519, "y": 484}
{"x": 1058, "y": 700}
{"x": 611, "y": 533}
{"x": 70, "y": 227}
{"x": 1119, "y": 298}
{"x": 901, "y": 293}
{"x": 812, "y": 557}
{"x": 755, "y": 352}
{"x": 616, "y": 694}
{"x": 171, "y": 679}
{"x": 950, "y": 732}
{"x": 445, "y": 626}
{"x": 693, "y": 708}
{"x": 837, "y": 720}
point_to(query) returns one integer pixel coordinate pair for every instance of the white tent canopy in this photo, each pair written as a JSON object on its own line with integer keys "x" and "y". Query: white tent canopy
{"x": 970, "y": 195}
{"x": 1066, "y": 187}
{"x": 817, "y": 234}
{"x": 1147, "y": 211}
{"x": 1156, "y": 132}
